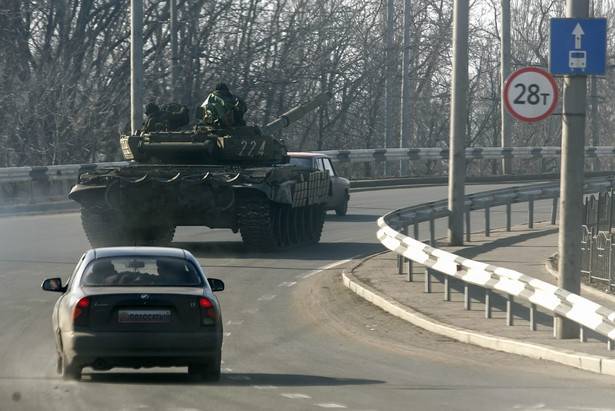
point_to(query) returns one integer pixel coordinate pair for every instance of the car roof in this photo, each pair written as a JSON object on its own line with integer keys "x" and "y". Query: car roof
{"x": 140, "y": 251}
{"x": 303, "y": 154}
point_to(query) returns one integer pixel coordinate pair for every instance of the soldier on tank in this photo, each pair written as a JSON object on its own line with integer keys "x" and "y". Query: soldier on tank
{"x": 223, "y": 109}
{"x": 171, "y": 118}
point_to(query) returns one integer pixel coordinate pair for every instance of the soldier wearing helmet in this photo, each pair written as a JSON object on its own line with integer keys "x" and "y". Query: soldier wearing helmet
{"x": 224, "y": 109}
{"x": 171, "y": 118}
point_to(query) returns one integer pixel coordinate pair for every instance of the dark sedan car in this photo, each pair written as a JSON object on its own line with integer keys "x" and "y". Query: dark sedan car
{"x": 137, "y": 307}
{"x": 340, "y": 186}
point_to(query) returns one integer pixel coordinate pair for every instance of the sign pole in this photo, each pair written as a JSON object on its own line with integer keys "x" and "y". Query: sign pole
{"x": 571, "y": 186}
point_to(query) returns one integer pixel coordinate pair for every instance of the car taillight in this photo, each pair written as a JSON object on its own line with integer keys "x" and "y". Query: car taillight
{"x": 80, "y": 312}
{"x": 208, "y": 311}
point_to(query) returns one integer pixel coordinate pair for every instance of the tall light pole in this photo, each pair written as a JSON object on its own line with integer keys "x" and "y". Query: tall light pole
{"x": 404, "y": 137}
{"x": 459, "y": 118}
{"x": 174, "y": 57}
{"x": 136, "y": 65}
{"x": 505, "y": 58}
{"x": 388, "y": 81}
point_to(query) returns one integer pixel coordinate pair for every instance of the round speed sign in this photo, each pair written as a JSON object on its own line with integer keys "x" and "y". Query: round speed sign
{"x": 530, "y": 94}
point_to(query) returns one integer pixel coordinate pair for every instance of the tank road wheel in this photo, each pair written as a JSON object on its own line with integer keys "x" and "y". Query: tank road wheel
{"x": 284, "y": 226}
{"x": 255, "y": 219}
{"x": 104, "y": 228}
{"x": 267, "y": 226}
{"x": 101, "y": 226}
{"x": 315, "y": 222}
{"x": 299, "y": 227}
{"x": 277, "y": 224}
{"x": 161, "y": 235}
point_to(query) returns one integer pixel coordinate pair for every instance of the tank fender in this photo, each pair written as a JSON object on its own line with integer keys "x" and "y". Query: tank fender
{"x": 80, "y": 193}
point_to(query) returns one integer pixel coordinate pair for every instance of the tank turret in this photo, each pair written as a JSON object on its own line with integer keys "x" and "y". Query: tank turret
{"x": 207, "y": 144}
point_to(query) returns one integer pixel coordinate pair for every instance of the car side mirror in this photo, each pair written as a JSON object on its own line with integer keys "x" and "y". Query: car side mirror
{"x": 215, "y": 284}
{"x": 53, "y": 284}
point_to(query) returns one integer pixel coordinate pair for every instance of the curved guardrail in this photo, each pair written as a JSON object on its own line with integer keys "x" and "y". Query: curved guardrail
{"x": 512, "y": 283}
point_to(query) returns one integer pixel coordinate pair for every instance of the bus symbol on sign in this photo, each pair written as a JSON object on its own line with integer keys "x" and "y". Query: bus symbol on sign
{"x": 577, "y": 59}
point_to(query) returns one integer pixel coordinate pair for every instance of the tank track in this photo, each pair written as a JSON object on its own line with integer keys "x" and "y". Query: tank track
{"x": 104, "y": 228}
{"x": 266, "y": 226}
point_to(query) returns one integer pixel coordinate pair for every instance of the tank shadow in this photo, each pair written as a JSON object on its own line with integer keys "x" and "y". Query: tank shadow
{"x": 226, "y": 379}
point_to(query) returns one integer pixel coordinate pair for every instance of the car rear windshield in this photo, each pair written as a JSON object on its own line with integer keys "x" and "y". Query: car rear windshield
{"x": 129, "y": 271}
{"x": 299, "y": 161}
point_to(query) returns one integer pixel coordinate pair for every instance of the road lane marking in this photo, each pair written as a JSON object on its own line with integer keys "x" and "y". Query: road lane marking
{"x": 326, "y": 267}
{"x": 295, "y": 396}
{"x": 250, "y": 311}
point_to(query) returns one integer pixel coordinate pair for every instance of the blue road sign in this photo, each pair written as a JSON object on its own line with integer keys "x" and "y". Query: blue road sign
{"x": 578, "y": 46}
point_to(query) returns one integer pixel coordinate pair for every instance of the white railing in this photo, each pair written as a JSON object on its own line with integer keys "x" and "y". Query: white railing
{"x": 513, "y": 284}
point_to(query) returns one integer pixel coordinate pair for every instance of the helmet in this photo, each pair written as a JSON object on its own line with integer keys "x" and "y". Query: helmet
{"x": 222, "y": 87}
{"x": 151, "y": 108}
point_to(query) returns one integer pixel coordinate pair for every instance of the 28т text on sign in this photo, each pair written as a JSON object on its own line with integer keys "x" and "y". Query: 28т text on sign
{"x": 530, "y": 94}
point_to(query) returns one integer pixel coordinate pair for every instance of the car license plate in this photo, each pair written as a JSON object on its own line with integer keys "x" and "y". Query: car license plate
{"x": 144, "y": 316}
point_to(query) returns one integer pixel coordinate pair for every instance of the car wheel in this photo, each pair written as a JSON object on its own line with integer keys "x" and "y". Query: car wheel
{"x": 343, "y": 208}
{"x": 70, "y": 372}
{"x": 211, "y": 374}
{"x": 208, "y": 372}
{"x": 59, "y": 364}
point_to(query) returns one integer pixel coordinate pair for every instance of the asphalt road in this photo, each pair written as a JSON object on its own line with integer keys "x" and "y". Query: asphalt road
{"x": 295, "y": 338}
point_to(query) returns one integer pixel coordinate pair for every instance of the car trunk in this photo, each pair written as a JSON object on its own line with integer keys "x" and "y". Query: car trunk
{"x": 144, "y": 312}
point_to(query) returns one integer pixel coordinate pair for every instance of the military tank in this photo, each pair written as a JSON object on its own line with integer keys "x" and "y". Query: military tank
{"x": 219, "y": 177}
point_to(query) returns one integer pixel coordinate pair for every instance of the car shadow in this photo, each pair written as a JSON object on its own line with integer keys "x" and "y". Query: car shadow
{"x": 226, "y": 379}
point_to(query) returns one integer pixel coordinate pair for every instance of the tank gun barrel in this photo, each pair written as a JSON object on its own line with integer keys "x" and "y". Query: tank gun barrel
{"x": 295, "y": 114}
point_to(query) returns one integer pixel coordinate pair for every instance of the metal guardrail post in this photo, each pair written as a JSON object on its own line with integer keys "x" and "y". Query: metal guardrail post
{"x": 609, "y": 259}
{"x": 427, "y": 280}
{"x": 487, "y": 303}
{"x": 554, "y": 209}
{"x": 509, "y": 216}
{"x": 509, "y": 314}
{"x": 487, "y": 219}
{"x": 468, "y": 228}
{"x": 530, "y": 204}
{"x": 400, "y": 258}
{"x": 467, "y": 303}
{"x": 432, "y": 231}
{"x": 533, "y": 317}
